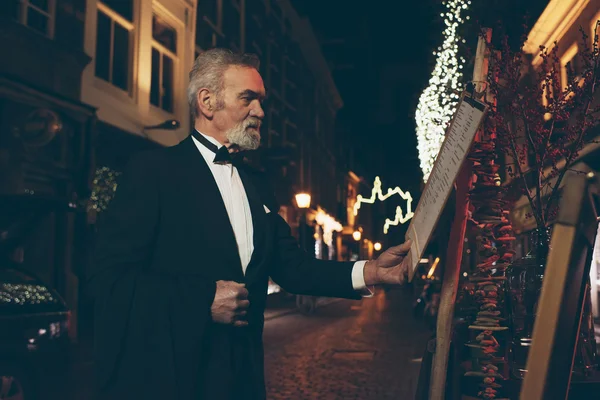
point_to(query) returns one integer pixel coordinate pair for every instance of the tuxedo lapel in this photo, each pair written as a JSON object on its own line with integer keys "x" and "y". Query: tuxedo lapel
{"x": 258, "y": 223}
{"x": 210, "y": 212}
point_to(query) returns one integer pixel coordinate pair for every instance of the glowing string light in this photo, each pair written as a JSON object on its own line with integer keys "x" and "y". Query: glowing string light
{"x": 377, "y": 194}
{"x": 329, "y": 225}
{"x": 104, "y": 188}
{"x": 398, "y": 219}
{"x": 438, "y": 101}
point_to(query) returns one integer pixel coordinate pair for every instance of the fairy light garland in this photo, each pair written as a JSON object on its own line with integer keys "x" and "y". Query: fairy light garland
{"x": 438, "y": 101}
{"x": 377, "y": 194}
{"x": 329, "y": 225}
{"x": 104, "y": 188}
{"x": 25, "y": 294}
{"x": 400, "y": 218}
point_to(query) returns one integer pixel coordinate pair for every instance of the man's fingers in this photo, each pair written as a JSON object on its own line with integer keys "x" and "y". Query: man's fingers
{"x": 401, "y": 249}
{"x": 243, "y": 304}
{"x": 242, "y": 293}
{"x": 405, "y": 264}
{"x": 240, "y": 323}
{"x": 232, "y": 284}
{"x": 240, "y": 316}
{"x": 400, "y": 273}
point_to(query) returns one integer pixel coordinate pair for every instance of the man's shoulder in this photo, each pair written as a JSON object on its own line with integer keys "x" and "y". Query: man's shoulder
{"x": 156, "y": 156}
{"x": 145, "y": 161}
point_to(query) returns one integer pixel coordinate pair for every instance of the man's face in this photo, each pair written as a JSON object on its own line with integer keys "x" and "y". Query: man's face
{"x": 240, "y": 112}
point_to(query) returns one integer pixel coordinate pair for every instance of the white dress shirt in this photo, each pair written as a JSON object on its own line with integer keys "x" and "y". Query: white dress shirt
{"x": 238, "y": 209}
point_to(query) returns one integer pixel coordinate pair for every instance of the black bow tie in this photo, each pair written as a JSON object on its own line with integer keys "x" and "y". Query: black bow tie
{"x": 222, "y": 154}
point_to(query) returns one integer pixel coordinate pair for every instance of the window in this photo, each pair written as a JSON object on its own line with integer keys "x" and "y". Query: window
{"x": 122, "y": 7}
{"x": 255, "y": 38}
{"x": 208, "y": 23}
{"x": 570, "y": 65}
{"x": 290, "y": 135}
{"x": 290, "y": 86}
{"x": 114, "y": 40}
{"x": 255, "y": 29}
{"x": 276, "y": 11}
{"x": 573, "y": 68}
{"x": 275, "y": 125}
{"x": 317, "y": 113}
{"x": 275, "y": 65}
{"x": 38, "y": 15}
{"x": 256, "y": 11}
{"x": 291, "y": 95}
{"x": 288, "y": 26}
{"x": 231, "y": 24}
{"x": 594, "y": 29}
{"x": 164, "y": 59}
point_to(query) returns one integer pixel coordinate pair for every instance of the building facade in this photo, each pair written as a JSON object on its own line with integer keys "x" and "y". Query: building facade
{"x": 45, "y": 137}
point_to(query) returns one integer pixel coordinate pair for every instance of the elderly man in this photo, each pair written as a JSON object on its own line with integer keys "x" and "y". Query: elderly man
{"x": 190, "y": 240}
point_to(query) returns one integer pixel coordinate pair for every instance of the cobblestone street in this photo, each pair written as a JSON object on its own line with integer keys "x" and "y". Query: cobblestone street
{"x": 368, "y": 350}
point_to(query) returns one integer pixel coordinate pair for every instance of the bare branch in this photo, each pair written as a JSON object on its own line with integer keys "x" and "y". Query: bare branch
{"x": 578, "y": 142}
{"x": 521, "y": 176}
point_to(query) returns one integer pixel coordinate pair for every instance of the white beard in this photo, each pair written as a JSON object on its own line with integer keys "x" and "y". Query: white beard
{"x": 244, "y": 137}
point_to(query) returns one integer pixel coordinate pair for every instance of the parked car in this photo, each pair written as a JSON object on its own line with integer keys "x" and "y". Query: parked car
{"x": 34, "y": 319}
{"x": 34, "y": 334}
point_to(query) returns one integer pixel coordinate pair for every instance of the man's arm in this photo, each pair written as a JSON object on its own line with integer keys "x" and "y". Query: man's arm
{"x": 297, "y": 272}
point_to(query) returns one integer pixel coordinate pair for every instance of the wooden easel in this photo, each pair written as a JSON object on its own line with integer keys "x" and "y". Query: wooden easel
{"x": 560, "y": 308}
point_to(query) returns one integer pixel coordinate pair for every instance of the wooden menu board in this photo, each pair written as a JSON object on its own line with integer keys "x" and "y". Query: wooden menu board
{"x": 456, "y": 145}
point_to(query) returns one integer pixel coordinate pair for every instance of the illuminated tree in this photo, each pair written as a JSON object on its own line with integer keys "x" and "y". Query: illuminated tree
{"x": 438, "y": 101}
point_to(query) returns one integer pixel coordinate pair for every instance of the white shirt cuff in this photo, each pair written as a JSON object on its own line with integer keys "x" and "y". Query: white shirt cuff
{"x": 358, "y": 279}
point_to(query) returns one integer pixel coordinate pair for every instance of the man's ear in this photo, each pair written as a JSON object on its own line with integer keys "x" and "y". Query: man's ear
{"x": 206, "y": 102}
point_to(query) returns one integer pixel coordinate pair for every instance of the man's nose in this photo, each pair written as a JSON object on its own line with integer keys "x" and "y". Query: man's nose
{"x": 257, "y": 111}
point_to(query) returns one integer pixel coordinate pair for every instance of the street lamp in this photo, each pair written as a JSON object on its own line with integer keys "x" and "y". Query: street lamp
{"x": 306, "y": 304}
{"x": 303, "y": 202}
{"x": 377, "y": 246}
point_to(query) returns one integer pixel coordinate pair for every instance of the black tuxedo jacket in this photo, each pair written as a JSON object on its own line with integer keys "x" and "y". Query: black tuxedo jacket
{"x": 166, "y": 240}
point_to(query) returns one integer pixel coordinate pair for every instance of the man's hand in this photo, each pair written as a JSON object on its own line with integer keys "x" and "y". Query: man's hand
{"x": 230, "y": 305}
{"x": 389, "y": 268}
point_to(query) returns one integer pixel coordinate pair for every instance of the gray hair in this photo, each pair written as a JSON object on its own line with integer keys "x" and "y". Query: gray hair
{"x": 208, "y": 71}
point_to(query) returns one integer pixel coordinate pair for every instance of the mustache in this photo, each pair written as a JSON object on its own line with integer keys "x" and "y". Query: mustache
{"x": 253, "y": 123}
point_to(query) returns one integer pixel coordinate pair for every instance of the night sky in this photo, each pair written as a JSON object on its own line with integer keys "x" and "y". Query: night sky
{"x": 380, "y": 52}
